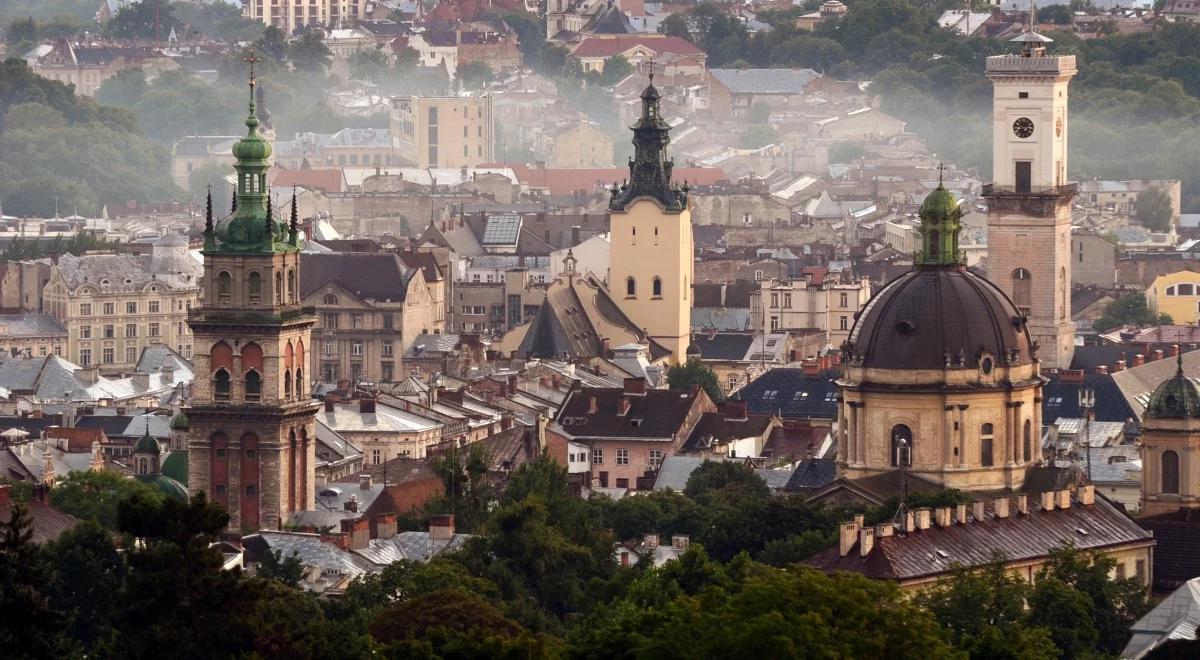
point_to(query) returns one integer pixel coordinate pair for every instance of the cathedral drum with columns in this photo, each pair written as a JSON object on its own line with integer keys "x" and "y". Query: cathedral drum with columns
{"x": 941, "y": 376}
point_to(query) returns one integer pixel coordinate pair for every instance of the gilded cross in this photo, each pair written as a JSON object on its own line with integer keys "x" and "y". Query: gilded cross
{"x": 251, "y": 58}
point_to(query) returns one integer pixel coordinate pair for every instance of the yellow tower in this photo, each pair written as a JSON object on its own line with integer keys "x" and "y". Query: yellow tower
{"x": 1029, "y": 203}
{"x": 652, "y": 253}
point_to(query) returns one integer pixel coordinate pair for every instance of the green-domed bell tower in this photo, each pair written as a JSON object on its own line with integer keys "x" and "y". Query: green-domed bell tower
{"x": 251, "y": 435}
{"x": 1171, "y": 445}
{"x": 941, "y": 222}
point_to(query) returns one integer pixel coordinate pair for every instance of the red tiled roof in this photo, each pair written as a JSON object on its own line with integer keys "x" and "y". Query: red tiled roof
{"x": 329, "y": 179}
{"x": 609, "y": 46}
{"x": 78, "y": 439}
{"x": 48, "y": 523}
{"x": 564, "y": 181}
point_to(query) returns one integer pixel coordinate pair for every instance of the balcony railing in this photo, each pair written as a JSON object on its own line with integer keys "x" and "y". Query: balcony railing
{"x": 992, "y": 189}
{"x": 1022, "y": 64}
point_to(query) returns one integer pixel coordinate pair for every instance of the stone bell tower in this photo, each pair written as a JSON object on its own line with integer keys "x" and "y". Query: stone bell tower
{"x": 251, "y": 434}
{"x": 1029, "y": 201}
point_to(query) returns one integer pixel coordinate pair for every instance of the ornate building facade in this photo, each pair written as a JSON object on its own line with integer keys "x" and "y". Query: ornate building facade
{"x": 1170, "y": 444}
{"x": 1029, "y": 202}
{"x": 252, "y": 435}
{"x": 651, "y": 231}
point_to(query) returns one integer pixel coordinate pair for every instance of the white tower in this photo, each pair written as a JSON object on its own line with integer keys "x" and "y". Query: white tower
{"x": 1029, "y": 202}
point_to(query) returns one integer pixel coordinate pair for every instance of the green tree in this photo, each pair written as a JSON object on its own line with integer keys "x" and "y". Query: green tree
{"x": 98, "y": 495}
{"x": 124, "y": 89}
{"x": 469, "y": 493}
{"x": 32, "y": 117}
{"x": 309, "y": 53}
{"x": 1067, "y": 614}
{"x": 148, "y": 19}
{"x": 1130, "y": 309}
{"x": 210, "y": 174}
{"x": 693, "y": 373}
{"x": 757, "y": 136}
{"x": 273, "y": 43}
{"x": 275, "y": 566}
{"x": 369, "y": 64}
{"x": 1153, "y": 210}
{"x": 475, "y": 75}
{"x": 732, "y": 479}
{"x": 1116, "y": 604}
{"x": 21, "y": 31}
{"x": 453, "y": 623}
{"x": 760, "y": 113}
{"x": 88, "y": 572}
{"x": 30, "y": 626}
{"x": 616, "y": 69}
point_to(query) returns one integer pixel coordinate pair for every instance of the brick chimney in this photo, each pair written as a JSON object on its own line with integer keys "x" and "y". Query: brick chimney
{"x": 908, "y": 522}
{"x": 978, "y": 510}
{"x": 1062, "y": 498}
{"x": 847, "y": 536}
{"x": 385, "y": 525}
{"x": 960, "y": 514}
{"x": 1174, "y": 350}
{"x": 735, "y": 409}
{"x": 650, "y": 540}
{"x": 866, "y": 541}
{"x": 328, "y": 404}
{"x": 635, "y": 386}
{"x": 1023, "y": 504}
{"x": 1047, "y": 500}
{"x": 364, "y": 481}
{"x": 1157, "y": 354}
{"x": 941, "y": 516}
{"x": 1087, "y": 495}
{"x": 441, "y": 527}
{"x": 1102, "y": 369}
{"x": 922, "y": 518}
{"x": 1139, "y": 360}
{"x": 351, "y": 504}
{"x": 357, "y": 532}
{"x": 5, "y": 494}
{"x": 1000, "y": 507}
{"x": 366, "y": 405}
{"x": 1119, "y": 366}
{"x": 681, "y": 541}
{"x": 884, "y": 530}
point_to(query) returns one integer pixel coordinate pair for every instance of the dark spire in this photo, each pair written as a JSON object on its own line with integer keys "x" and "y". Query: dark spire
{"x": 233, "y": 206}
{"x": 294, "y": 227}
{"x": 650, "y": 169}
{"x": 208, "y": 219}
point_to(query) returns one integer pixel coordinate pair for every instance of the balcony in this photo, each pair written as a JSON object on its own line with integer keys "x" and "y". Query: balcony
{"x": 1021, "y": 65}
{"x": 994, "y": 190}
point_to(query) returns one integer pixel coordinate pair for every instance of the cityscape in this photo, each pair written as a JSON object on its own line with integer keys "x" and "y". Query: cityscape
{"x": 600, "y": 329}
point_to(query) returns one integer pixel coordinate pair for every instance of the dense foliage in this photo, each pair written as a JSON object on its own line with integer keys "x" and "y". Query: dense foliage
{"x": 540, "y": 581}
{"x": 1130, "y": 309}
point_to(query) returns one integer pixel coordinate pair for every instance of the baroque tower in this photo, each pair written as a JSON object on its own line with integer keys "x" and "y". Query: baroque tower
{"x": 1029, "y": 202}
{"x": 651, "y": 233}
{"x": 1171, "y": 446}
{"x": 251, "y": 442}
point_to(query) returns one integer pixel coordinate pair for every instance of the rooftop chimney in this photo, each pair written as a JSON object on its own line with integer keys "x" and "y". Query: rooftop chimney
{"x": 1174, "y": 350}
{"x": 922, "y": 518}
{"x": 1119, "y": 366}
{"x": 351, "y": 504}
{"x": 385, "y": 525}
{"x": 650, "y": 540}
{"x": 681, "y": 541}
{"x": 366, "y": 405}
{"x": 1087, "y": 495}
{"x": 884, "y": 530}
{"x": 1023, "y": 504}
{"x": 941, "y": 516}
{"x": 908, "y": 522}
{"x": 960, "y": 514}
{"x": 1139, "y": 360}
{"x": 441, "y": 527}
{"x": 1047, "y": 500}
{"x": 5, "y": 494}
{"x": 357, "y": 532}
{"x": 1000, "y": 507}
{"x": 1157, "y": 354}
{"x": 735, "y": 409}
{"x": 1102, "y": 369}
{"x": 1063, "y": 498}
{"x": 866, "y": 541}
{"x": 328, "y": 404}
{"x": 847, "y": 535}
{"x": 364, "y": 481}
{"x": 635, "y": 386}
{"x": 978, "y": 509}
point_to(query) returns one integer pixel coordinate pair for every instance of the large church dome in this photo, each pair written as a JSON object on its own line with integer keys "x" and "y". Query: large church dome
{"x": 939, "y": 315}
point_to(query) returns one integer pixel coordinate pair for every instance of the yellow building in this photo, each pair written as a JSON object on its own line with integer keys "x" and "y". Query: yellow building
{"x": 115, "y": 305}
{"x": 652, "y": 251}
{"x": 443, "y": 131}
{"x": 583, "y": 145}
{"x": 291, "y": 16}
{"x": 1176, "y": 294}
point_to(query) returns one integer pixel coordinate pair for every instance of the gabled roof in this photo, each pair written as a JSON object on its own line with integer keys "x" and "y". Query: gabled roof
{"x": 723, "y": 345}
{"x": 368, "y": 275}
{"x": 1176, "y": 617}
{"x": 425, "y": 261}
{"x": 655, "y": 415}
{"x": 765, "y": 81}
{"x": 48, "y": 522}
{"x": 1061, "y": 399}
{"x": 721, "y": 428}
{"x": 609, "y": 46}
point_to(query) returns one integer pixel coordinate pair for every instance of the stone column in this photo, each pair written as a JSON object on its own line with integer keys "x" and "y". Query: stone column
{"x": 1009, "y": 408}
{"x": 860, "y": 439}
{"x": 962, "y": 436}
{"x": 854, "y": 457}
{"x": 947, "y": 435}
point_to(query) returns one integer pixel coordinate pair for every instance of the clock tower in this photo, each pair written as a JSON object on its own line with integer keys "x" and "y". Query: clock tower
{"x": 1029, "y": 201}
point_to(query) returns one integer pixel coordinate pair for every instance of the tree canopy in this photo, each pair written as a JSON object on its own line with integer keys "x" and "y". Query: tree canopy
{"x": 1130, "y": 309}
{"x": 693, "y": 373}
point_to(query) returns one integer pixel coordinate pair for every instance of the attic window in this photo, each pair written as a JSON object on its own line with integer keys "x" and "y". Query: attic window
{"x": 772, "y": 342}
{"x": 943, "y": 554}
{"x": 1082, "y": 531}
{"x": 831, "y": 396}
{"x": 770, "y": 394}
{"x": 103, "y": 282}
{"x": 799, "y": 395}
{"x": 128, "y": 281}
{"x": 635, "y": 423}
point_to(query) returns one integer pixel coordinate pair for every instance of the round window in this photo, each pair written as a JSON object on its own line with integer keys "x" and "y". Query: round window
{"x": 986, "y": 365}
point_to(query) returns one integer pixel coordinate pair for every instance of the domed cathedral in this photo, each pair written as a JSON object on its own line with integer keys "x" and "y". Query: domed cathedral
{"x": 1170, "y": 444}
{"x": 251, "y": 434}
{"x": 940, "y": 374}
{"x": 651, "y": 233}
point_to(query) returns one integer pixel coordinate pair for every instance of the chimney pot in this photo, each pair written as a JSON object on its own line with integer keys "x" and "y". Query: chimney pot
{"x": 859, "y": 519}
{"x": 1063, "y": 498}
{"x": 328, "y": 404}
{"x": 922, "y": 518}
{"x": 364, "y": 481}
{"x": 961, "y": 514}
{"x": 1139, "y": 360}
{"x": 1119, "y": 366}
{"x": 941, "y": 516}
{"x": 847, "y": 535}
{"x": 978, "y": 509}
{"x": 1023, "y": 504}
{"x": 1102, "y": 369}
{"x": 866, "y": 541}
{"x": 650, "y": 540}
{"x": 1047, "y": 500}
{"x": 1087, "y": 495}
{"x": 884, "y": 530}
{"x": 1158, "y": 354}
{"x": 1000, "y": 507}
{"x": 441, "y": 527}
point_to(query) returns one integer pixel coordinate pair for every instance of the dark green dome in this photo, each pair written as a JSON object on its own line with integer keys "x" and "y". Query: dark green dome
{"x": 939, "y": 204}
{"x": 147, "y": 443}
{"x": 175, "y": 466}
{"x": 253, "y": 146}
{"x": 1175, "y": 398}
{"x": 179, "y": 422}
{"x": 166, "y": 485}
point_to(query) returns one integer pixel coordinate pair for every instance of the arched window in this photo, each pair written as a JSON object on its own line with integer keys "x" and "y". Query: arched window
{"x": 1022, "y": 289}
{"x": 278, "y": 288}
{"x": 254, "y": 280}
{"x": 224, "y": 287}
{"x": 1064, "y": 295}
{"x": 291, "y": 286}
{"x": 143, "y": 466}
{"x": 986, "y": 441}
{"x": 935, "y": 244}
{"x": 1027, "y": 441}
{"x": 902, "y": 446}
{"x": 1170, "y": 472}
{"x": 299, "y": 382}
{"x": 630, "y": 287}
{"x": 656, "y": 288}
{"x": 287, "y": 384}
{"x": 330, "y": 299}
{"x": 221, "y": 383}
{"x": 253, "y": 386}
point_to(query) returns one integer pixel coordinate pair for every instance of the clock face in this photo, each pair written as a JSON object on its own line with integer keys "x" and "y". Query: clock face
{"x": 1023, "y": 127}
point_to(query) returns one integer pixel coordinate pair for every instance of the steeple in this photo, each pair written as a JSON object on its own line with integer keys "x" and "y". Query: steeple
{"x": 210, "y": 240}
{"x": 294, "y": 226}
{"x": 940, "y": 225}
{"x": 650, "y": 169}
{"x": 251, "y": 227}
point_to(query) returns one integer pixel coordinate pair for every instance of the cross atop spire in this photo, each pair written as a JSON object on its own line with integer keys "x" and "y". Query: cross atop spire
{"x": 941, "y": 171}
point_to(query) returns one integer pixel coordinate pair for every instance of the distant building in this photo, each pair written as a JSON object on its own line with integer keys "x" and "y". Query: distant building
{"x": 1177, "y": 295}
{"x": 32, "y": 333}
{"x": 638, "y": 49}
{"x": 830, "y": 306}
{"x": 115, "y": 305}
{"x": 292, "y": 17}
{"x": 733, "y": 92}
{"x": 583, "y": 145}
{"x": 195, "y": 151}
{"x": 443, "y": 131}
{"x": 87, "y": 67}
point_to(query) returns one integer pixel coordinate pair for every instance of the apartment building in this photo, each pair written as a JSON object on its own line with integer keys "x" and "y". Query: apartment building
{"x": 826, "y": 305}
{"x": 443, "y": 131}
{"x": 115, "y": 305}
{"x": 292, "y": 15}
